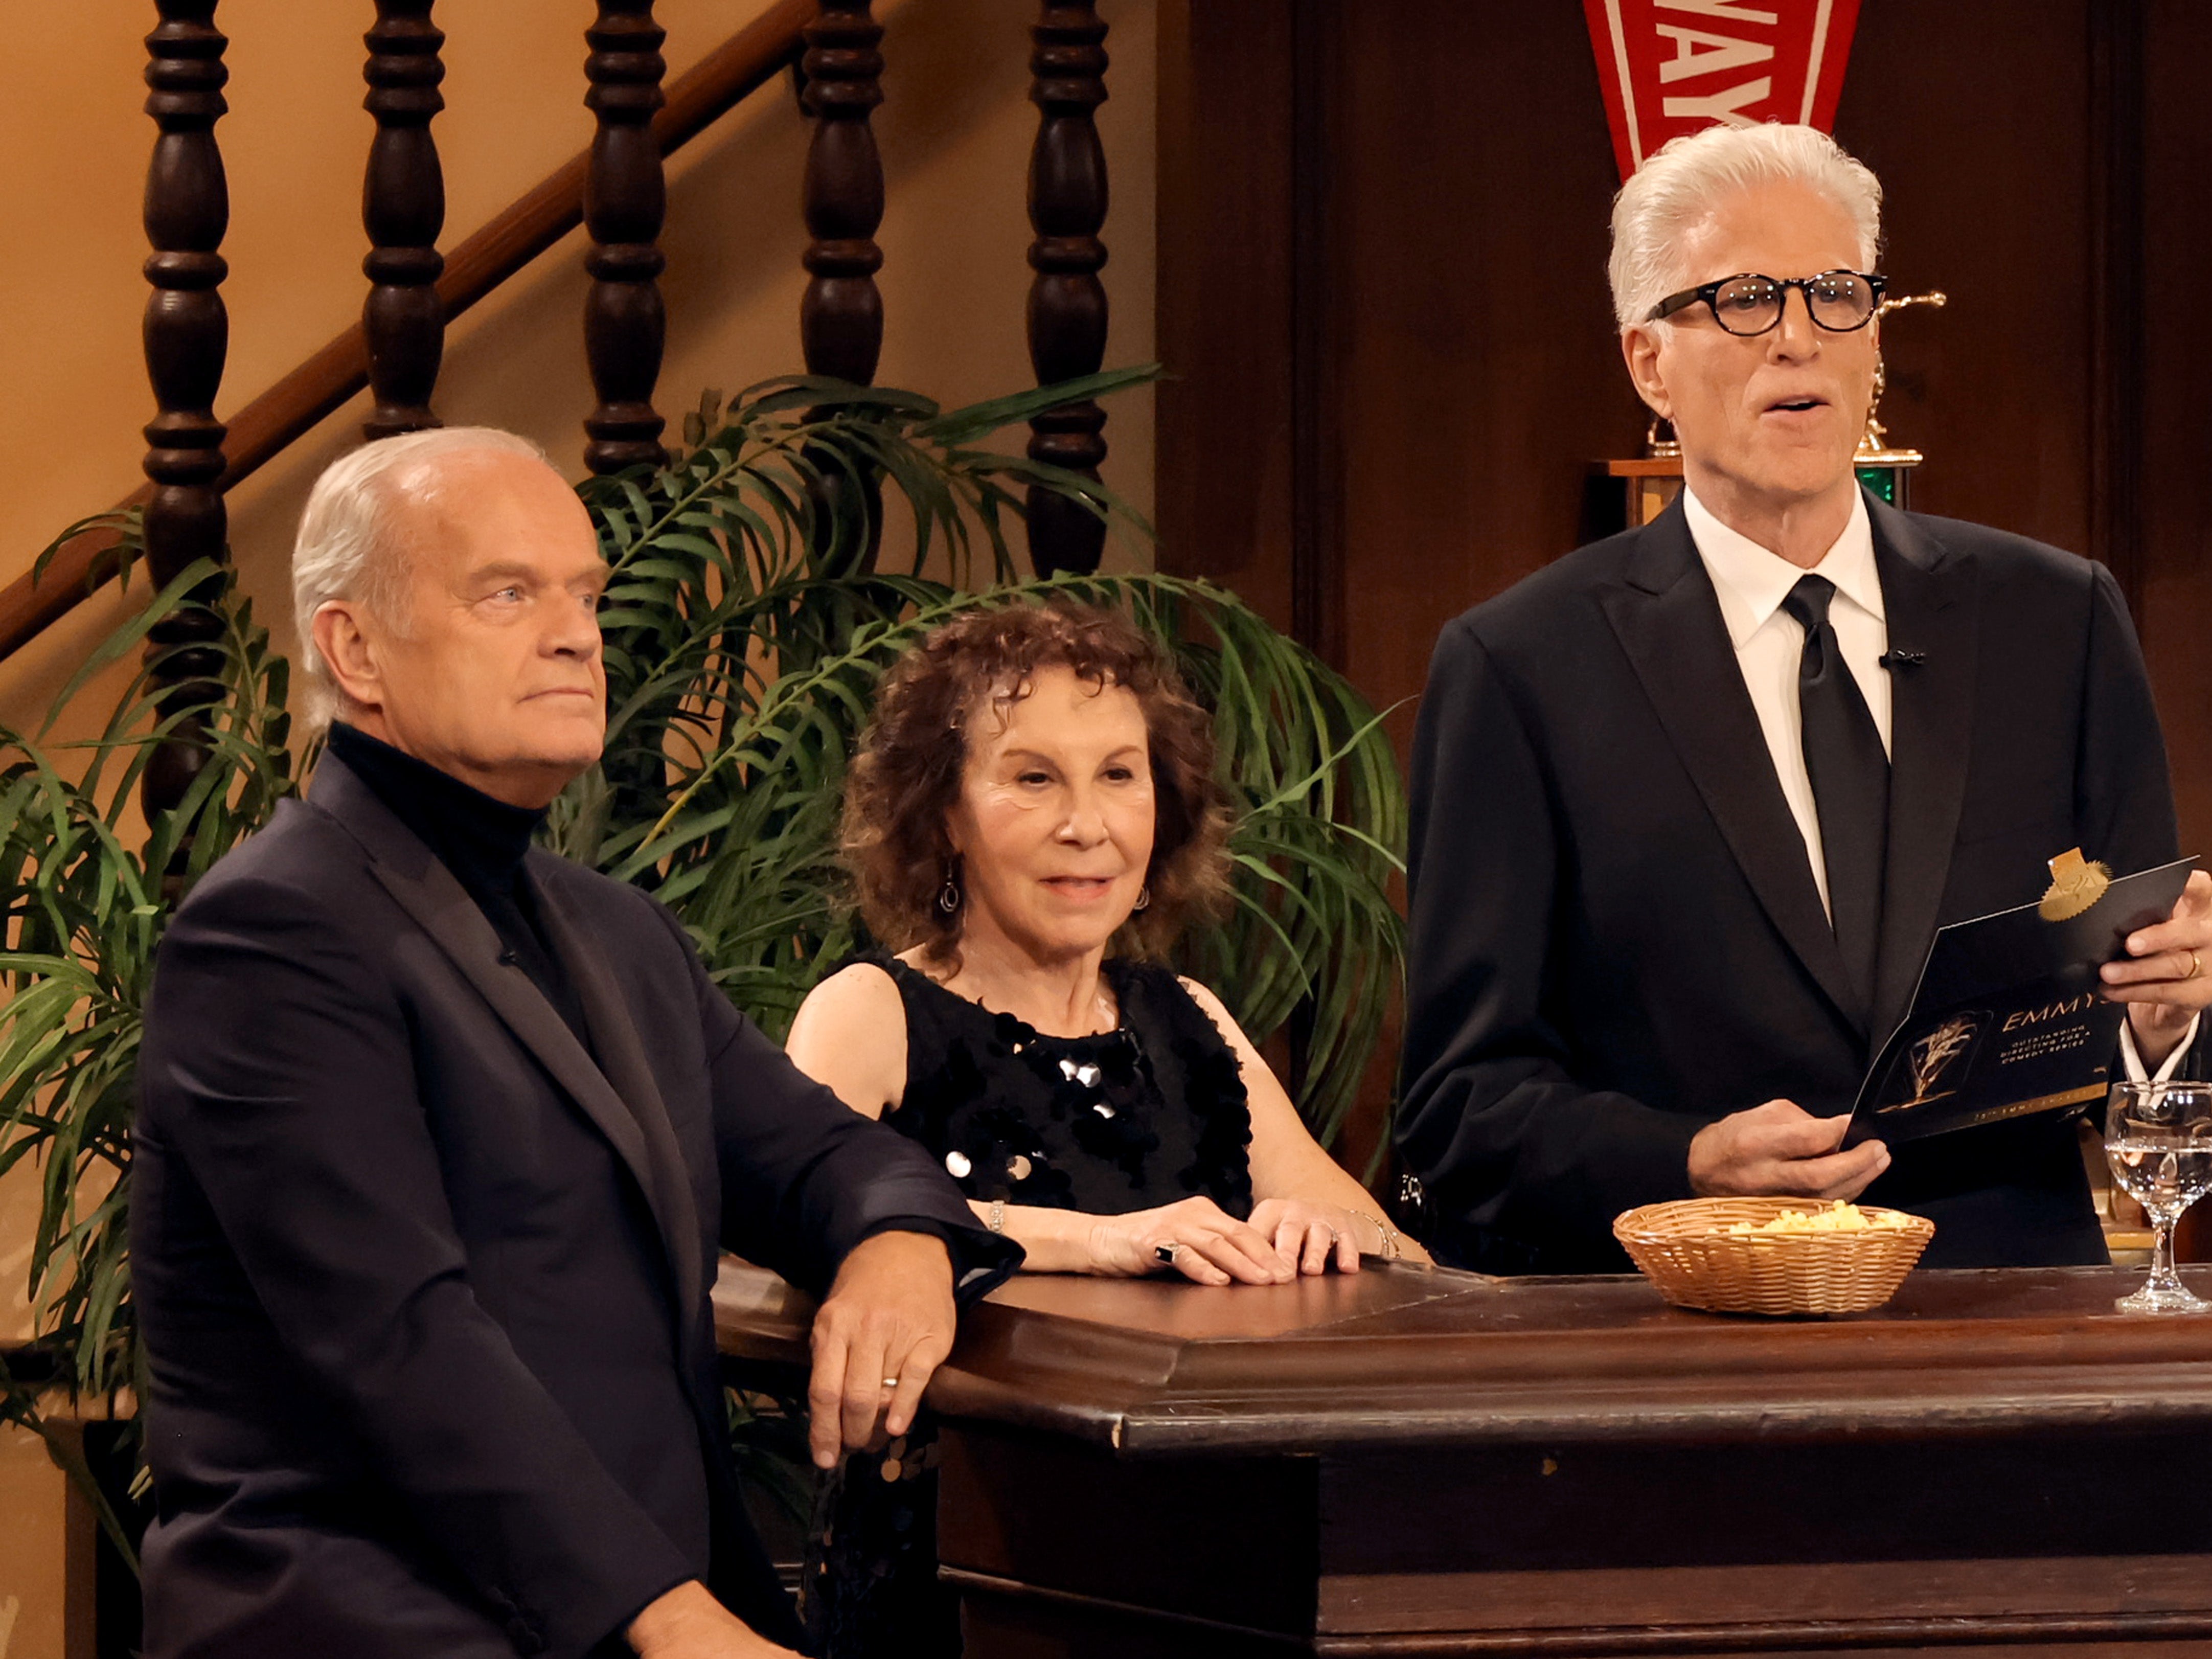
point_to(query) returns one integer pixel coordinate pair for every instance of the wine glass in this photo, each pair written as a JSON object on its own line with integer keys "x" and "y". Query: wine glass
{"x": 2157, "y": 1138}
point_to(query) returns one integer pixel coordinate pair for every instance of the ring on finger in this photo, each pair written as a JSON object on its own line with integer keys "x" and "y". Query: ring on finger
{"x": 2195, "y": 966}
{"x": 891, "y": 1381}
{"x": 1166, "y": 1253}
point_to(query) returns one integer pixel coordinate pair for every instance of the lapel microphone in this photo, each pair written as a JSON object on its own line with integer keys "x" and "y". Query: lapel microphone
{"x": 1896, "y": 658}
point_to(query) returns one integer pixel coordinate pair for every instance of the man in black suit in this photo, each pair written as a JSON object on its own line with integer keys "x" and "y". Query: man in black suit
{"x": 1690, "y": 803}
{"x": 439, "y": 1138}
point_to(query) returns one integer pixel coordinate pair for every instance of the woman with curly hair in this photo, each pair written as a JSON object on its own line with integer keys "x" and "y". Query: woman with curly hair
{"x": 1031, "y": 820}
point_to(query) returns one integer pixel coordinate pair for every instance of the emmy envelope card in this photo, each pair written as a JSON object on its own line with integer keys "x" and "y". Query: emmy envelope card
{"x": 2006, "y": 1020}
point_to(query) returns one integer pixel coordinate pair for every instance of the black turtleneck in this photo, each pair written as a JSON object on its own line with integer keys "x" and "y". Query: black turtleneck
{"x": 482, "y": 841}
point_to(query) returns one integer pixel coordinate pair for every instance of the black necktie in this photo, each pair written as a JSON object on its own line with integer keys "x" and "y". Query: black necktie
{"x": 1850, "y": 782}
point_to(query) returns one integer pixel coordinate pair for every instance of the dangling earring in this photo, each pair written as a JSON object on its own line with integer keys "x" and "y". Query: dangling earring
{"x": 948, "y": 896}
{"x": 1144, "y": 896}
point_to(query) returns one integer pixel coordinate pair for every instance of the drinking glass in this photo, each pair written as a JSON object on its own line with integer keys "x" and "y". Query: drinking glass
{"x": 2157, "y": 1138}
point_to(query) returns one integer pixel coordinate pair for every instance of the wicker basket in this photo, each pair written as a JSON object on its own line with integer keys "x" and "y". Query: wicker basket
{"x": 1684, "y": 1247}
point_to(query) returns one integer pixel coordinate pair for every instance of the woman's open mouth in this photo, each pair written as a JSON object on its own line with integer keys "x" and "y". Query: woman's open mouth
{"x": 1079, "y": 886}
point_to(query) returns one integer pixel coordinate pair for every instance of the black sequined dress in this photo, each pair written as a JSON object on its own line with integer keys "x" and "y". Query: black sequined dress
{"x": 1142, "y": 1115}
{"x": 1147, "y": 1114}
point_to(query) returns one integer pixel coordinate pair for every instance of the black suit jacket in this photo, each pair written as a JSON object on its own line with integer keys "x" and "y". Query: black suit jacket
{"x": 1614, "y": 934}
{"x": 424, "y": 1284}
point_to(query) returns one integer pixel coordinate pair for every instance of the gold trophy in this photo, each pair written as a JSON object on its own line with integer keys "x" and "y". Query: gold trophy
{"x": 1885, "y": 471}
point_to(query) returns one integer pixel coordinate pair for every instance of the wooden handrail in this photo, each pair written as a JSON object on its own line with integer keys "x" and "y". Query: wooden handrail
{"x": 296, "y": 403}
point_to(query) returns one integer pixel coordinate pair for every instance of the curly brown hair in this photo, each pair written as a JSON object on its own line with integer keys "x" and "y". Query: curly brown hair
{"x": 905, "y": 777}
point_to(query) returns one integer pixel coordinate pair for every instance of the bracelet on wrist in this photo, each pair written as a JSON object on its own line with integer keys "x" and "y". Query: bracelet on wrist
{"x": 1391, "y": 1247}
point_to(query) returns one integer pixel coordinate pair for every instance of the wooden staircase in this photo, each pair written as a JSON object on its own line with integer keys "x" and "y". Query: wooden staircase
{"x": 616, "y": 189}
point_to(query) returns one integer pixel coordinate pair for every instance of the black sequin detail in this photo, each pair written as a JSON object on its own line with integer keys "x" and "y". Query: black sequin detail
{"x": 1069, "y": 1123}
{"x": 1077, "y": 1123}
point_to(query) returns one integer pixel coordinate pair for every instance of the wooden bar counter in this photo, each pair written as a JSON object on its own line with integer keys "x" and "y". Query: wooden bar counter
{"x": 1422, "y": 1463}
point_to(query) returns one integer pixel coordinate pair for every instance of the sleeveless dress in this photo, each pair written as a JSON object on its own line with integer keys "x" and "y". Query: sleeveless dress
{"x": 1145, "y": 1114}
{"x": 1140, "y": 1116}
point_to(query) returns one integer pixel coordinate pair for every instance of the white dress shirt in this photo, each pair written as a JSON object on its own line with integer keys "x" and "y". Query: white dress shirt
{"x": 1751, "y": 584}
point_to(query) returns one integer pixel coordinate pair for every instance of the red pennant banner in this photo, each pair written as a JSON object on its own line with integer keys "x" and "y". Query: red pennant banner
{"x": 1670, "y": 67}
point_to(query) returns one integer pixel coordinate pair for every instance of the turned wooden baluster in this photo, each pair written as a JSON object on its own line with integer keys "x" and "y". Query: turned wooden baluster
{"x": 625, "y": 199}
{"x": 841, "y": 321}
{"x": 402, "y": 207}
{"x": 1067, "y": 303}
{"x": 187, "y": 335}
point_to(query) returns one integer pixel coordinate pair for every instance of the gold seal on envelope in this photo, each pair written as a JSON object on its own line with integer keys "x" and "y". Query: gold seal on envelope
{"x": 2076, "y": 884}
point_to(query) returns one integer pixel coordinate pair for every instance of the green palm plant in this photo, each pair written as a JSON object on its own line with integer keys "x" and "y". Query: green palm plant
{"x": 747, "y": 617}
{"x": 85, "y": 908}
{"x": 745, "y": 637}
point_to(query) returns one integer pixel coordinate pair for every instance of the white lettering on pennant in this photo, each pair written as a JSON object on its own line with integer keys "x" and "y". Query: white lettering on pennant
{"x": 1696, "y": 54}
{"x": 1727, "y": 10}
{"x": 1628, "y": 81}
{"x": 1727, "y": 106}
{"x": 1813, "y": 64}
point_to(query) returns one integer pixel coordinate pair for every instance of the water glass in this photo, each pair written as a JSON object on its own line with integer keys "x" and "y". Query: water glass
{"x": 2157, "y": 1138}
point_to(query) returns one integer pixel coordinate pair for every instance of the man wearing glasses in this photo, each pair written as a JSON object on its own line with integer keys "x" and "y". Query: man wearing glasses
{"x": 1689, "y": 804}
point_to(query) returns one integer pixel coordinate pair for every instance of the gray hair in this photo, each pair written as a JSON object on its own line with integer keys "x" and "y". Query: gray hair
{"x": 1685, "y": 180}
{"x": 348, "y": 547}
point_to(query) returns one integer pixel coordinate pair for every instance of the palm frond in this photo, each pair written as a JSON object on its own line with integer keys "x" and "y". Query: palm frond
{"x": 83, "y": 911}
{"x": 748, "y": 618}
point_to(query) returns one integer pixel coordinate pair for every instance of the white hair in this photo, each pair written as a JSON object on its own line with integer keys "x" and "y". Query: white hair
{"x": 1685, "y": 180}
{"x": 348, "y": 546}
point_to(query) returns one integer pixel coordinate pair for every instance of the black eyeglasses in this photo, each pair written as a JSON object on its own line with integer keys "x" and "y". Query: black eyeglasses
{"x": 1838, "y": 301}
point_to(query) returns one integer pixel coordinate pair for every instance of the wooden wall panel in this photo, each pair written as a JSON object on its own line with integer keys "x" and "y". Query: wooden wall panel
{"x": 2175, "y": 605}
{"x": 1980, "y": 138}
{"x": 1478, "y": 369}
{"x": 2046, "y": 164}
{"x": 1224, "y": 485}
{"x": 1469, "y": 367}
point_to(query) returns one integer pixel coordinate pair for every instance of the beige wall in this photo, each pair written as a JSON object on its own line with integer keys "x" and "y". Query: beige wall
{"x": 47, "y": 1536}
{"x": 955, "y": 131}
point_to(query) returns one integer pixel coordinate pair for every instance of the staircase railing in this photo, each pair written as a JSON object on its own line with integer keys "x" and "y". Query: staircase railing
{"x": 617, "y": 189}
